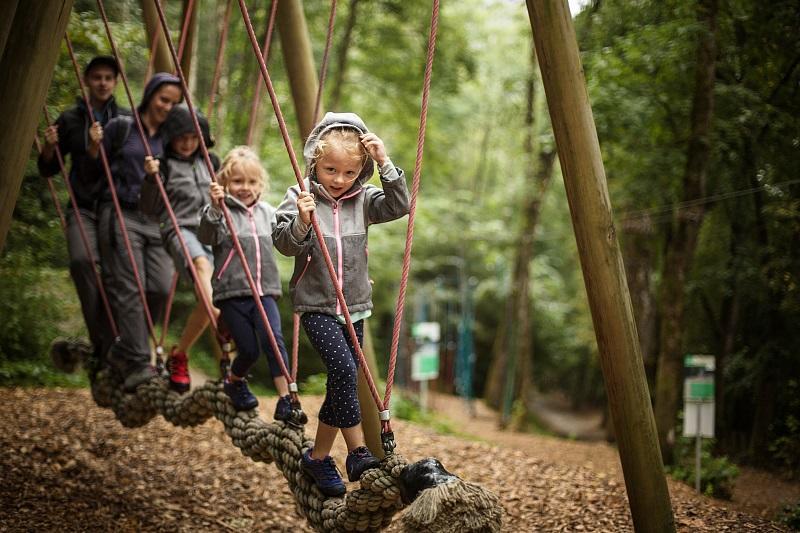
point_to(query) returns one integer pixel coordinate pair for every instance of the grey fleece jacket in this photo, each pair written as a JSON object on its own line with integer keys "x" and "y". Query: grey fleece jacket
{"x": 254, "y": 226}
{"x": 186, "y": 183}
{"x": 344, "y": 223}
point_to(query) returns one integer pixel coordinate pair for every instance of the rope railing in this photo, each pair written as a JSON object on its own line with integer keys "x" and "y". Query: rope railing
{"x": 226, "y": 214}
{"x": 114, "y": 198}
{"x": 201, "y": 295}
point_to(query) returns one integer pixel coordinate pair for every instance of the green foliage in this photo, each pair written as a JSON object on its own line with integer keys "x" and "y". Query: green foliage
{"x": 717, "y": 474}
{"x": 404, "y": 407}
{"x": 785, "y": 445}
{"x": 790, "y": 517}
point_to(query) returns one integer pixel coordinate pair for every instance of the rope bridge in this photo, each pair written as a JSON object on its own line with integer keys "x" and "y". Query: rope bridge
{"x": 435, "y": 499}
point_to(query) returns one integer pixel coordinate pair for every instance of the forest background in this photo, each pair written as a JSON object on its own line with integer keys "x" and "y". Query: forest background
{"x": 712, "y": 258}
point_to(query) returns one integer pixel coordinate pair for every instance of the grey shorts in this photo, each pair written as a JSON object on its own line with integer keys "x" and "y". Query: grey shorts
{"x": 196, "y": 249}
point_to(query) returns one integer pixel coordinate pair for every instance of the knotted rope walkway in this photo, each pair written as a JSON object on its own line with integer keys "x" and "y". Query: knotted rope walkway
{"x": 455, "y": 505}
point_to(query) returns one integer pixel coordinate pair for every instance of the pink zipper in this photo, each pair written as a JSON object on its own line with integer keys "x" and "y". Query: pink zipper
{"x": 226, "y": 263}
{"x": 339, "y": 258}
{"x": 303, "y": 273}
{"x": 258, "y": 248}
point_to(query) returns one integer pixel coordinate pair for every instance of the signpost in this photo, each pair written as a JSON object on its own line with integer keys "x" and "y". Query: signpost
{"x": 698, "y": 396}
{"x": 425, "y": 360}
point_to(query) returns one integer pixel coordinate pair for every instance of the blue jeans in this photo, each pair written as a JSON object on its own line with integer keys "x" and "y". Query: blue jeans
{"x": 247, "y": 329}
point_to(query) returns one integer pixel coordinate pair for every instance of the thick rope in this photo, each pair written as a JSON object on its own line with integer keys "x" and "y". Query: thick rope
{"x": 187, "y": 17}
{"x": 113, "y": 190}
{"x": 251, "y": 126}
{"x": 234, "y": 237}
{"x": 456, "y": 506}
{"x": 81, "y": 230}
{"x": 201, "y": 295}
{"x": 401, "y": 297}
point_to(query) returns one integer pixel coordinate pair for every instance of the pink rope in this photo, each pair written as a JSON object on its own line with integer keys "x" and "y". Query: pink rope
{"x": 185, "y": 28}
{"x": 52, "y": 190}
{"x": 251, "y": 126}
{"x": 323, "y": 71}
{"x": 401, "y": 297}
{"x": 201, "y": 295}
{"x": 223, "y": 36}
{"x": 81, "y": 229}
{"x": 117, "y": 208}
{"x": 237, "y": 245}
{"x": 314, "y": 222}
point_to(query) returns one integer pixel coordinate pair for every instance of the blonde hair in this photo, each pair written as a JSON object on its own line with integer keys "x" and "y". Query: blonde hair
{"x": 344, "y": 139}
{"x": 243, "y": 159}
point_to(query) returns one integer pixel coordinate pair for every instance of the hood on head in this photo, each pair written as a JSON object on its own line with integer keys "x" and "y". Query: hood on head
{"x": 158, "y": 79}
{"x": 335, "y": 121}
{"x": 179, "y": 122}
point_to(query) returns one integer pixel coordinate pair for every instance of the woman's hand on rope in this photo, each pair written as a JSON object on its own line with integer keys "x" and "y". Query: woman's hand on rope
{"x": 217, "y": 193}
{"x": 95, "y": 138}
{"x": 305, "y": 206}
{"x": 151, "y": 165}
{"x": 375, "y": 148}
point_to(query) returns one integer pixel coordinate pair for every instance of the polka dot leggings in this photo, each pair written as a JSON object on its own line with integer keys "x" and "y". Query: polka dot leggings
{"x": 331, "y": 339}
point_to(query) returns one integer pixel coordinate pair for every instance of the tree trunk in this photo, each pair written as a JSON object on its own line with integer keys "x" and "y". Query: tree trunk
{"x": 638, "y": 252}
{"x": 32, "y": 44}
{"x": 601, "y": 261}
{"x": 152, "y": 25}
{"x": 7, "y": 10}
{"x": 370, "y": 421}
{"x": 682, "y": 242}
{"x": 299, "y": 60}
{"x": 341, "y": 55}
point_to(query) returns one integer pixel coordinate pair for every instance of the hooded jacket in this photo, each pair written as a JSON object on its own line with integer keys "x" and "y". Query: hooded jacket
{"x": 186, "y": 180}
{"x": 73, "y": 138}
{"x": 344, "y": 223}
{"x": 125, "y": 151}
{"x": 254, "y": 227}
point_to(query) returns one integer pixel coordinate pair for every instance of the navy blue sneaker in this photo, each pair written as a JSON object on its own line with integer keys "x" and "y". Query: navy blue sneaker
{"x": 359, "y": 461}
{"x": 283, "y": 409}
{"x": 240, "y": 395}
{"x": 324, "y": 473}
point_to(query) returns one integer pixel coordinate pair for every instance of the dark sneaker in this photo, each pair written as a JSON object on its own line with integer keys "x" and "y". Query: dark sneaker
{"x": 240, "y": 395}
{"x": 283, "y": 409}
{"x": 178, "y": 365}
{"x": 139, "y": 376}
{"x": 324, "y": 473}
{"x": 359, "y": 461}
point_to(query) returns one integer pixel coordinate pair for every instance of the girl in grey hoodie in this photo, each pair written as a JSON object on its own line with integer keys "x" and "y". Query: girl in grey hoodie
{"x": 339, "y": 154}
{"x": 241, "y": 182}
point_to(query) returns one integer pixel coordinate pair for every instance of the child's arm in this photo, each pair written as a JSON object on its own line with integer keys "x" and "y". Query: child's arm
{"x": 393, "y": 201}
{"x": 150, "y": 197}
{"x": 291, "y": 233}
{"x": 212, "y": 223}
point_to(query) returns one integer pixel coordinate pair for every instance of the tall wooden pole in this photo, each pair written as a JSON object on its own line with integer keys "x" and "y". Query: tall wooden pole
{"x": 32, "y": 43}
{"x": 163, "y": 60}
{"x": 601, "y": 260}
{"x": 299, "y": 60}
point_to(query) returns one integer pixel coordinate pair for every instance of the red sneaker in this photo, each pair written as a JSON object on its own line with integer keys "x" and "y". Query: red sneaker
{"x": 178, "y": 365}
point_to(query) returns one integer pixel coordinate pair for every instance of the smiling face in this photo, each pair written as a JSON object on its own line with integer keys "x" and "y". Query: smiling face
{"x": 185, "y": 145}
{"x": 340, "y": 158}
{"x": 101, "y": 81}
{"x": 162, "y": 102}
{"x": 243, "y": 185}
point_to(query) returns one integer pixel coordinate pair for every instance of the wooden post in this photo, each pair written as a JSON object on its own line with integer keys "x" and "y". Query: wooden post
{"x": 601, "y": 260}
{"x": 32, "y": 44}
{"x": 152, "y": 26}
{"x": 7, "y": 10}
{"x": 370, "y": 419}
{"x": 299, "y": 60}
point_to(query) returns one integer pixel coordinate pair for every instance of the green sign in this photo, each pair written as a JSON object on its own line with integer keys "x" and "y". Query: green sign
{"x": 425, "y": 363}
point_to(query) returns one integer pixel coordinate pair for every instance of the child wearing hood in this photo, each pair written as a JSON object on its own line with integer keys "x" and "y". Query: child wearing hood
{"x": 241, "y": 181}
{"x": 186, "y": 180}
{"x": 339, "y": 154}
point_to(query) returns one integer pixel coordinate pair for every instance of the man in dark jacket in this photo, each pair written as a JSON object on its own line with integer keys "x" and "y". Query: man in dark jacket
{"x": 71, "y": 133}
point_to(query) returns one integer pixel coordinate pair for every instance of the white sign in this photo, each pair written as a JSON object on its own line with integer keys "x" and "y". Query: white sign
{"x": 426, "y": 331}
{"x": 425, "y": 363}
{"x": 704, "y": 418}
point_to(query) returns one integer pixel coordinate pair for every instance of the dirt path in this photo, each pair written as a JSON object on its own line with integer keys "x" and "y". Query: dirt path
{"x": 68, "y": 465}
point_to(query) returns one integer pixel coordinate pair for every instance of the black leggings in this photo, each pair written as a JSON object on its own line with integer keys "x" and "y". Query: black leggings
{"x": 331, "y": 339}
